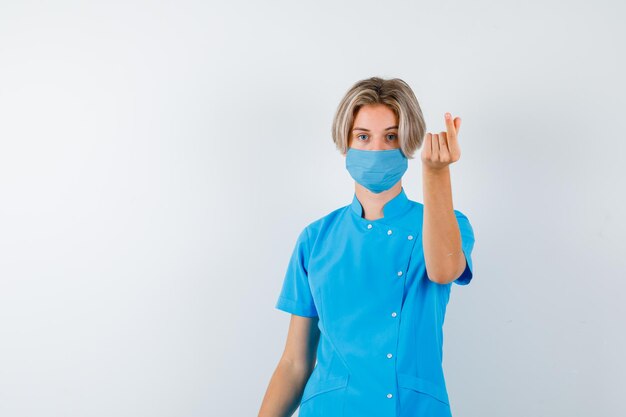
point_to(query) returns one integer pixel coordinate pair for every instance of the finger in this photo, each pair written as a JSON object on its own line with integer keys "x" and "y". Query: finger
{"x": 435, "y": 155}
{"x": 453, "y": 142}
{"x": 428, "y": 147}
{"x": 451, "y": 129}
{"x": 444, "y": 152}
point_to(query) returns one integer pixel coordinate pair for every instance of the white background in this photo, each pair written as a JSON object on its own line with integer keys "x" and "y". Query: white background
{"x": 158, "y": 160}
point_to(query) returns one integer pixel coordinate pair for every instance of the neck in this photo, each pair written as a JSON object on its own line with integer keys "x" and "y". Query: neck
{"x": 373, "y": 203}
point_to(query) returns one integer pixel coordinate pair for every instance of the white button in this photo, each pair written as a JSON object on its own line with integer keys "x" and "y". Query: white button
{"x": 399, "y": 273}
{"x": 369, "y": 226}
{"x": 389, "y": 231}
{"x": 389, "y": 395}
{"x": 389, "y": 355}
{"x": 410, "y": 237}
{"x": 394, "y": 314}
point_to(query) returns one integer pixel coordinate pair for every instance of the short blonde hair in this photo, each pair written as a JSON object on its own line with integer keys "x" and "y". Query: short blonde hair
{"x": 394, "y": 93}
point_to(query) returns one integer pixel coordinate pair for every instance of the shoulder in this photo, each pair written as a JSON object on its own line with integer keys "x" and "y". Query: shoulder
{"x": 459, "y": 213}
{"x": 462, "y": 219}
{"x": 322, "y": 224}
{"x": 416, "y": 206}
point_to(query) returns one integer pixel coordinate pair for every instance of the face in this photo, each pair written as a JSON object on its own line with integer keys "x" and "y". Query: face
{"x": 375, "y": 128}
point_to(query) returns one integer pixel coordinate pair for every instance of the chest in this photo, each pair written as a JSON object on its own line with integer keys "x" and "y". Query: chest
{"x": 355, "y": 261}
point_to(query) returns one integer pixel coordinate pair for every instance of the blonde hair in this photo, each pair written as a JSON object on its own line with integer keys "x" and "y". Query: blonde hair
{"x": 394, "y": 93}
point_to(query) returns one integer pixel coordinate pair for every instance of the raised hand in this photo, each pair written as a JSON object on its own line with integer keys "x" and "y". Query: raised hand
{"x": 442, "y": 149}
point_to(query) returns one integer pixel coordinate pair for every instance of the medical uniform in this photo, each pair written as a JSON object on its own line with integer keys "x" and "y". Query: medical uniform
{"x": 380, "y": 317}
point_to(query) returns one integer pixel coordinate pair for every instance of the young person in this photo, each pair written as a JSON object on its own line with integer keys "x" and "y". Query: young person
{"x": 368, "y": 284}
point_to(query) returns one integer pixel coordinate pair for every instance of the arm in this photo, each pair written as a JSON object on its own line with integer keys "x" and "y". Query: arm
{"x": 286, "y": 386}
{"x": 441, "y": 237}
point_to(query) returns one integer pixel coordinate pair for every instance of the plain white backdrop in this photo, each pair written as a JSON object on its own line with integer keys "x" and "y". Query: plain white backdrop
{"x": 158, "y": 160}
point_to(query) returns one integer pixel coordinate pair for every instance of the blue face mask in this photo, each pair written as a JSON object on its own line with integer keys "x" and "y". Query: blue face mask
{"x": 376, "y": 170}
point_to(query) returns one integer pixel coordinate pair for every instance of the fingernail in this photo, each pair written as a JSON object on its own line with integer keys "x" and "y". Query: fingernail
{"x": 447, "y": 115}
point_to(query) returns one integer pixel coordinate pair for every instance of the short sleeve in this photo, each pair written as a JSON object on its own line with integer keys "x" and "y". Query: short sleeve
{"x": 295, "y": 296}
{"x": 467, "y": 245}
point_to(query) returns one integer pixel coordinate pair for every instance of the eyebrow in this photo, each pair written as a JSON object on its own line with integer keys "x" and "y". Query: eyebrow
{"x": 367, "y": 130}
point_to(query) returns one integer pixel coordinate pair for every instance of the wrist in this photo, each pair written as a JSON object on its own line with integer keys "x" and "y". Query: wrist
{"x": 435, "y": 172}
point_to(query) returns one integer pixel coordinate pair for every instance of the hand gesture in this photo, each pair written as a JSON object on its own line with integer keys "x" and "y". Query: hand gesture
{"x": 440, "y": 150}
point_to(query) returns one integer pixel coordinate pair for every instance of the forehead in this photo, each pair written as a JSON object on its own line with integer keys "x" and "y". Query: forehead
{"x": 375, "y": 115}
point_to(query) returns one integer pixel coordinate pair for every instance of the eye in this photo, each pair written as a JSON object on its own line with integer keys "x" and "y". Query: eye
{"x": 391, "y": 134}
{"x": 362, "y": 134}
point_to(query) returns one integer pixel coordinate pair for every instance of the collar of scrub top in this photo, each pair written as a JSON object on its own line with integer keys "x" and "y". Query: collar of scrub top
{"x": 394, "y": 207}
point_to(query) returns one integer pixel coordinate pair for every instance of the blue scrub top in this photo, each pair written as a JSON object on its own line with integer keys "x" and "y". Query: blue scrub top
{"x": 380, "y": 317}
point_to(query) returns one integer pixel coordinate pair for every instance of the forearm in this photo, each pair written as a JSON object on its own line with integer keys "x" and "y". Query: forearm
{"x": 284, "y": 390}
{"x": 441, "y": 237}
